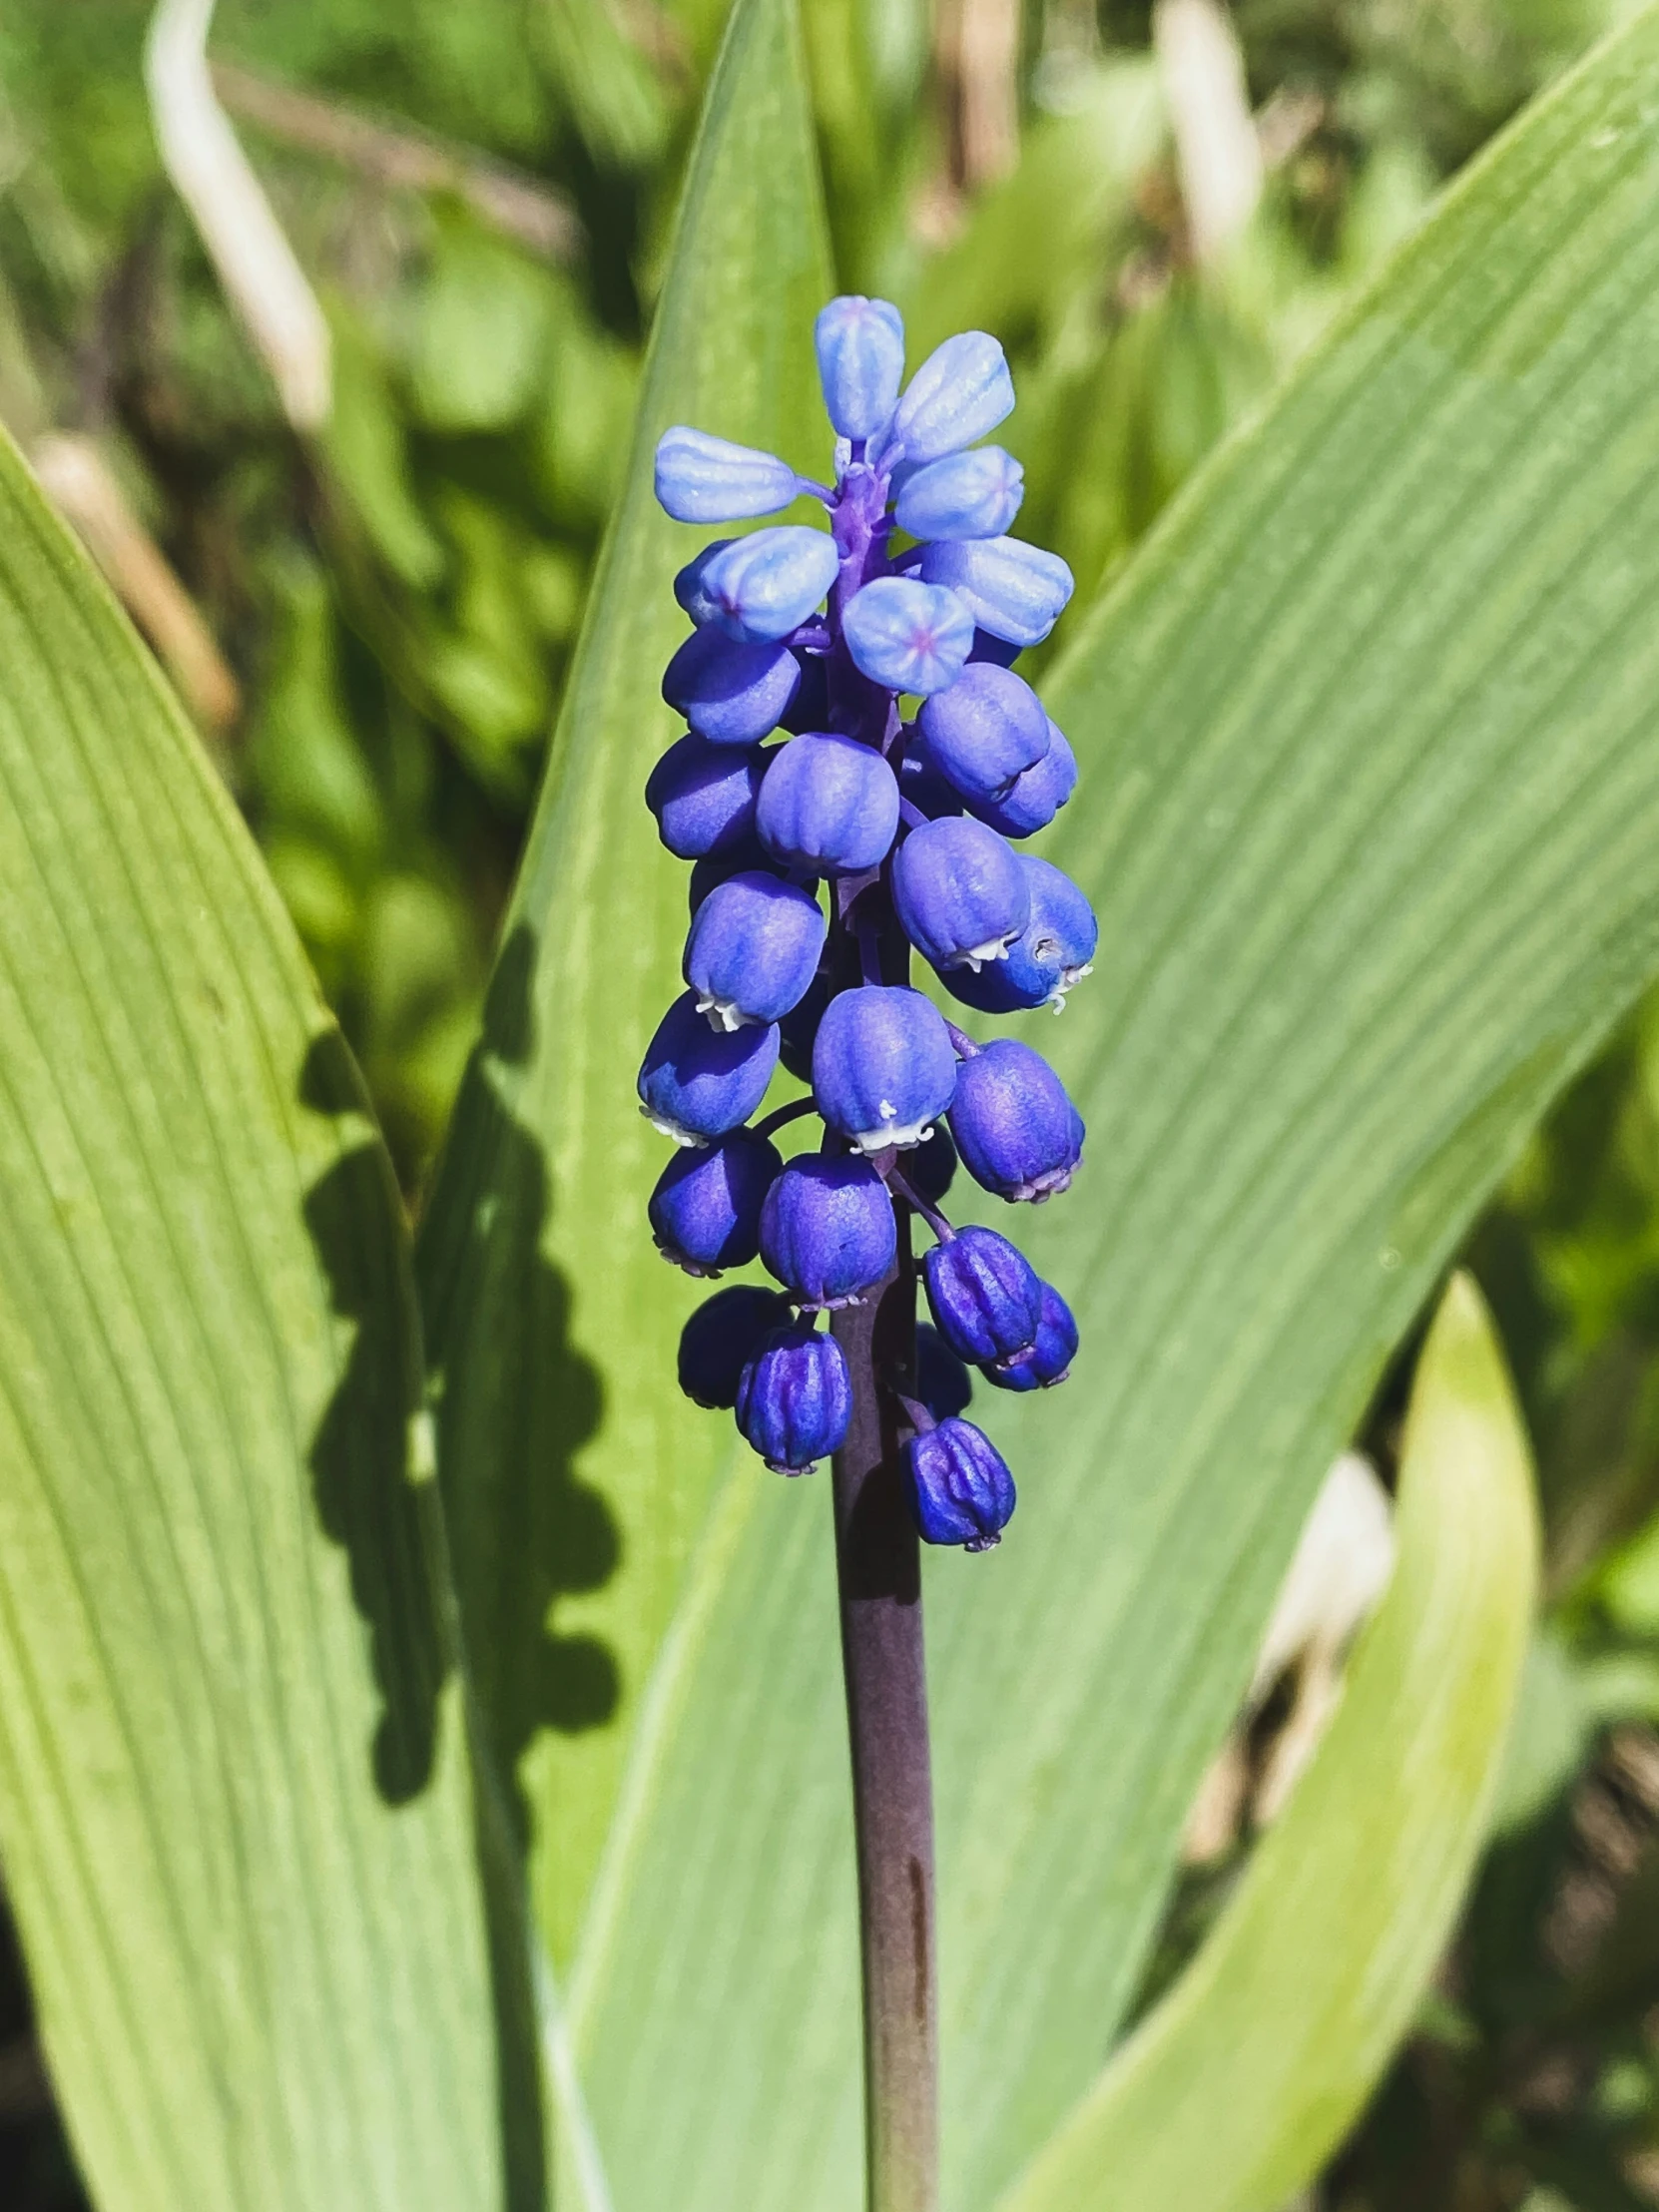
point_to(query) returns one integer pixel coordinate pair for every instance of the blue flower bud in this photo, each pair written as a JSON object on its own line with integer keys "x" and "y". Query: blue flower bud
{"x": 705, "y": 1209}
{"x": 907, "y": 635}
{"x": 828, "y": 804}
{"x": 984, "y": 1297}
{"x": 797, "y": 1030}
{"x": 958, "y": 891}
{"x": 722, "y": 1336}
{"x": 985, "y": 732}
{"x": 883, "y": 1067}
{"x": 795, "y": 1398}
{"x": 827, "y": 1228}
{"x": 703, "y": 797}
{"x": 689, "y": 588}
{"x": 1049, "y": 956}
{"x": 967, "y": 495}
{"x": 1014, "y": 590}
{"x": 1037, "y": 795}
{"x": 696, "y": 1083}
{"x": 943, "y": 1384}
{"x": 931, "y": 1168}
{"x": 961, "y": 392}
{"x": 920, "y": 781}
{"x": 752, "y": 949}
{"x": 958, "y": 1486}
{"x": 764, "y": 585}
{"x": 731, "y": 694}
{"x": 1049, "y": 1359}
{"x": 1017, "y": 1132}
{"x": 860, "y": 361}
{"x": 748, "y": 856}
{"x": 707, "y": 479}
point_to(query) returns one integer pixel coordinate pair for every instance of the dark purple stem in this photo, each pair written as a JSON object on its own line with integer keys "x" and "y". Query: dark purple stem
{"x": 782, "y": 1116}
{"x": 900, "y": 1182}
{"x": 878, "y": 1561}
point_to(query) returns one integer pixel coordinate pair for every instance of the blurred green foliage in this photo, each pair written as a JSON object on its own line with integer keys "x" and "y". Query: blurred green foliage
{"x": 398, "y": 601}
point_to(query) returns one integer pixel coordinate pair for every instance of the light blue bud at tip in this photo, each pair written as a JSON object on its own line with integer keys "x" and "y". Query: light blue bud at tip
{"x": 906, "y": 636}
{"x": 762, "y": 587}
{"x": 707, "y": 479}
{"x": 1014, "y": 590}
{"x": 860, "y": 361}
{"x": 967, "y": 495}
{"x": 959, "y": 393}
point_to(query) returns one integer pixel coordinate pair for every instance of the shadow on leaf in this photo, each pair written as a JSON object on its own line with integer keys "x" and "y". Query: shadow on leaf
{"x": 517, "y": 1405}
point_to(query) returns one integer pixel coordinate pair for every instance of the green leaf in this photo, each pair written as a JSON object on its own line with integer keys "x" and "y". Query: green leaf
{"x": 575, "y": 1484}
{"x": 1283, "y": 2022}
{"x": 234, "y": 1812}
{"x": 1368, "y": 812}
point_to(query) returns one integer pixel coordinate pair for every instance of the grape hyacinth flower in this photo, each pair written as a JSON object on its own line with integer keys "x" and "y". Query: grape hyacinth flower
{"x": 906, "y": 752}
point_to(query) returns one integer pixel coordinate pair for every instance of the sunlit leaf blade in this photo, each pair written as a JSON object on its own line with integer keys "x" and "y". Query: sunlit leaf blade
{"x": 576, "y": 1477}
{"x": 1278, "y": 2030}
{"x": 234, "y": 1809}
{"x": 1369, "y": 810}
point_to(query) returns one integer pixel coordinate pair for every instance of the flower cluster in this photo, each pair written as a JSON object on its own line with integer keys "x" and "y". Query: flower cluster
{"x": 818, "y": 861}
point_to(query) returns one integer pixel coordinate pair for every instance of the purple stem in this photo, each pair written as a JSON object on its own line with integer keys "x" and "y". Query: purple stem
{"x": 883, "y": 1661}
{"x": 961, "y": 1043}
{"x": 782, "y": 1116}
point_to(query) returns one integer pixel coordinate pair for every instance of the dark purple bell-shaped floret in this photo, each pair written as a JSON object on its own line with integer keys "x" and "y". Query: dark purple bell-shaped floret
{"x": 703, "y": 795}
{"x": 1050, "y": 955}
{"x": 731, "y": 694}
{"x": 1017, "y": 1132}
{"x": 696, "y": 1083}
{"x": 985, "y": 1297}
{"x": 795, "y": 1398}
{"x": 828, "y": 806}
{"x": 1037, "y": 795}
{"x": 1049, "y": 1359}
{"x": 722, "y": 1336}
{"x": 705, "y": 1209}
{"x": 944, "y": 1384}
{"x": 827, "y": 1229}
{"x": 752, "y": 949}
{"x": 985, "y": 732}
{"x": 959, "y": 1486}
{"x": 958, "y": 891}
{"x": 883, "y": 1070}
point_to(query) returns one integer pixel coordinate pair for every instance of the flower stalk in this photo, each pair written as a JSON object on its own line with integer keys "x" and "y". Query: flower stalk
{"x": 821, "y": 864}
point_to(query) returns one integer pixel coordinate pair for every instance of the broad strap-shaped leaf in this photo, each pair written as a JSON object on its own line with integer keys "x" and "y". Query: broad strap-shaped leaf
{"x": 576, "y": 1478}
{"x": 235, "y": 1813}
{"x": 1370, "y": 810}
{"x": 1279, "y": 2028}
